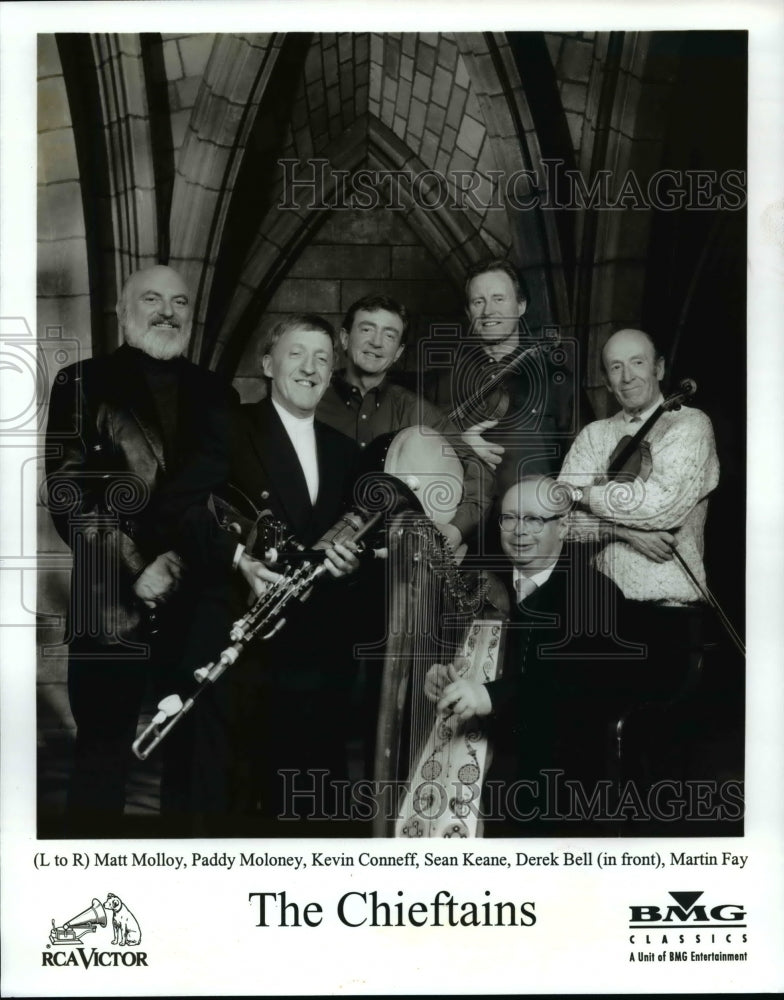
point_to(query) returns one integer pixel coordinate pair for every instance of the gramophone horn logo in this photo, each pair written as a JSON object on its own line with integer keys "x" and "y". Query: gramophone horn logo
{"x": 125, "y": 926}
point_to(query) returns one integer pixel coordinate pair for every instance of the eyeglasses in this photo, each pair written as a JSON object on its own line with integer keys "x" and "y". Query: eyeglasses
{"x": 531, "y": 523}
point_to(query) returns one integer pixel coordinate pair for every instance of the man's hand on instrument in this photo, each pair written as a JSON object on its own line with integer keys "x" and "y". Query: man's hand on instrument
{"x": 257, "y": 575}
{"x": 454, "y": 537}
{"x": 464, "y": 699}
{"x": 491, "y": 454}
{"x": 436, "y": 679}
{"x": 159, "y": 580}
{"x": 341, "y": 559}
{"x": 657, "y": 546}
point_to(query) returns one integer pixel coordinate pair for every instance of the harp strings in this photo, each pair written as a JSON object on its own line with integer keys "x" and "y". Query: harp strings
{"x": 437, "y": 633}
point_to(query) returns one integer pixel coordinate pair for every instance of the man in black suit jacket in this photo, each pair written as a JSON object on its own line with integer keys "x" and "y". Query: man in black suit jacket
{"x": 134, "y": 440}
{"x": 566, "y": 675}
{"x": 286, "y": 699}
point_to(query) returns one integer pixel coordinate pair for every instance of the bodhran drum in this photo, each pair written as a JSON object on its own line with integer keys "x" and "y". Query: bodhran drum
{"x": 426, "y": 463}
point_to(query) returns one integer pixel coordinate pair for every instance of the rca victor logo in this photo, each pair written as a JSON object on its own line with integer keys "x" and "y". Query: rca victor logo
{"x": 67, "y": 941}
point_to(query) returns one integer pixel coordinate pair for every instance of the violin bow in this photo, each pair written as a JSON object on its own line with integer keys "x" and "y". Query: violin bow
{"x": 711, "y": 600}
{"x": 687, "y": 389}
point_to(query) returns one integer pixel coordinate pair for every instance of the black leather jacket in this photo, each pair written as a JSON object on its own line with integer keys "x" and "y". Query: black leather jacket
{"x": 116, "y": 498}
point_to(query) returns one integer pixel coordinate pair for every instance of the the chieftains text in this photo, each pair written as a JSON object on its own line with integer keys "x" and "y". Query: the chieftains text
{"x": 371, "y": 909}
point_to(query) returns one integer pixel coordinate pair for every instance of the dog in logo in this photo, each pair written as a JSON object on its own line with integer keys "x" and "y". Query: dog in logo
{"x": 124, "y": 924}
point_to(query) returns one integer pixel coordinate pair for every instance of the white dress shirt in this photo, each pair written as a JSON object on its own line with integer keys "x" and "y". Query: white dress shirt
{"x": 303, "y": 436}
{"x": 537, "y": 579}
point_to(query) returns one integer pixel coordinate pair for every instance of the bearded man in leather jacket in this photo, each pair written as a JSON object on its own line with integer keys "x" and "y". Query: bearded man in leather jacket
{"x": 136, "y": 439}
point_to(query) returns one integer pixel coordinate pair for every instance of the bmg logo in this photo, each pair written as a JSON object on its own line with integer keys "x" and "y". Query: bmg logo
{"x": 686, "y": 910}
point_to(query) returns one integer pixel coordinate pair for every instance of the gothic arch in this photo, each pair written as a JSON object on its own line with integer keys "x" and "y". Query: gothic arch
{"x": 126, "y": 128}
{"x": 234, "y": 83}
{"x": 515, "y": 143}
{"x": 451, "y": 237}
{"x": 105, "y": 82}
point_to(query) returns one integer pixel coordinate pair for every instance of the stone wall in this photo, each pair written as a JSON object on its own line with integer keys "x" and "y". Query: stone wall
{"x": 355, "y": 254}
{"x": 63, "y": 324}
{"x": 190, "y": 129}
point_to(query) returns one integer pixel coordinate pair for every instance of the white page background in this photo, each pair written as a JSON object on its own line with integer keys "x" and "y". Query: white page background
{"x": 199, "y": 926}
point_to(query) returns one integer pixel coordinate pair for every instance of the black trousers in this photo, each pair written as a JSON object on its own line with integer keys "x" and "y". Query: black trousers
{"x": 673, "y": 638}
{"x": 263, "y": 752}
{"x": 558, "y": 749}
{"x": 106, "y": 693}
{"x": 252, "y": 760}
{"x": 105, "y": 697}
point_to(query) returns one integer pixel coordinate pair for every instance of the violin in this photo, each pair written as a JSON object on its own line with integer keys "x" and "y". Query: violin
{"x": 490, "y": 400}
{"x": 632, "y": 458}
{"x": 632, "y": 455}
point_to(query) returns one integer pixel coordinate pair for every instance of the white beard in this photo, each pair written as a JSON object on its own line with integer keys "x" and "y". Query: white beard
{"x": 161, "y": 344}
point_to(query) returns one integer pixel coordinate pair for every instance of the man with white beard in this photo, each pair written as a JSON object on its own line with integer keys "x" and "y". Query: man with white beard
{"x": 136, "y": 442}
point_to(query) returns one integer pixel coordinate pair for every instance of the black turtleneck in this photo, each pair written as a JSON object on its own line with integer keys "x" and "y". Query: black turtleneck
{"x": 163, "y": 379}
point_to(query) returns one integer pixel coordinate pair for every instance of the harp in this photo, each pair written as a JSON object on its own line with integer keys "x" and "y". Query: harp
{"x": 433, "y": 765}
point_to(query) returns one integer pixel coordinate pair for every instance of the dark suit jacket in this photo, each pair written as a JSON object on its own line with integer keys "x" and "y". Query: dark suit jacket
{"x": 312, "y": 651}
{"x": 117, "y": 498}
{"x": 568, "y": 670}
{"x": 279, "y": 704}
{"x": 265, "y": 467}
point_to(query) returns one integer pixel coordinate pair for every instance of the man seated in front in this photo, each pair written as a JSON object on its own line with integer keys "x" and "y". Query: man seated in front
{"x": 565, "y": 673}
